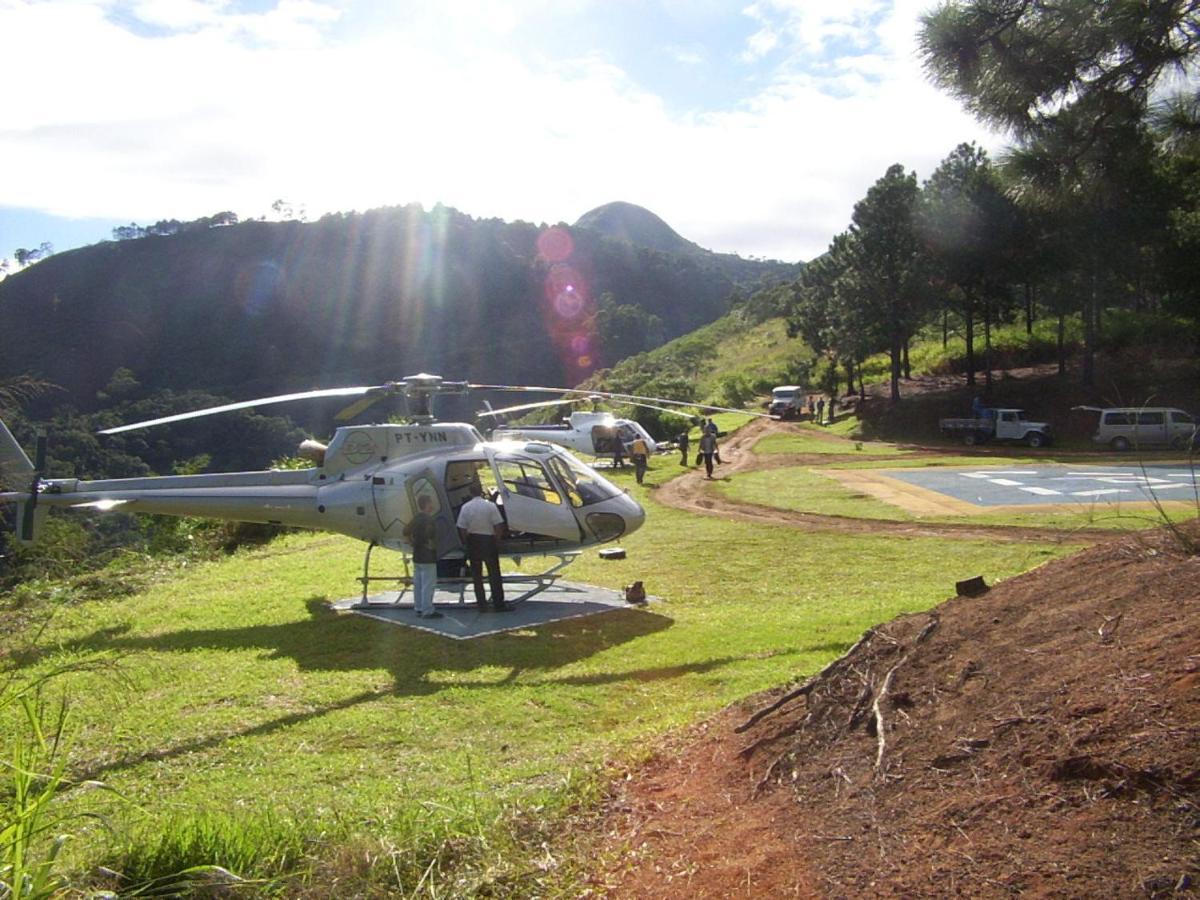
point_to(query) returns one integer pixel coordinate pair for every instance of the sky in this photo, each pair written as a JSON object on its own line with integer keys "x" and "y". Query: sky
{"x": 750, "y": 127}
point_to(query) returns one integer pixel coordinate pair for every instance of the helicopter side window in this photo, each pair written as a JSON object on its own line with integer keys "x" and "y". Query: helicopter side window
{"x": 527, "y": 479}
{"x": 460, "y": 474}
{"x": 628, "y": 435}
{"x": 582, "y": 485}
{"x": 423, "y": 487}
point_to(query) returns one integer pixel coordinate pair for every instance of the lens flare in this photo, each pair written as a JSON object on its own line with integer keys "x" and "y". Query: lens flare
{"x": 568, "y": 308}
{"x": 555, "y": 245}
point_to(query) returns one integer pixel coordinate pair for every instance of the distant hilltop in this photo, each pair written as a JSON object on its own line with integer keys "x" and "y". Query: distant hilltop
{"x": 638, "y": 226}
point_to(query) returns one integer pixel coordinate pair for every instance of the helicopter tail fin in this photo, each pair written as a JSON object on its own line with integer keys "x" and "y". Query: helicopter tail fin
{"x": 15, "y": 466}
{"x": 17, "y": 471}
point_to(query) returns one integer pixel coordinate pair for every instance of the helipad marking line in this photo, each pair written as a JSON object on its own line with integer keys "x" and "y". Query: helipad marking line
{"x": 990, "y": 474}
{"x": 1100, "y": 493}
{"x": 1006, "y": 482}
{"x": 1042, "y": 492}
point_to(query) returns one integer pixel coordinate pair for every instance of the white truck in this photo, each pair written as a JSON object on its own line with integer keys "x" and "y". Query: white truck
{"x": 787, "y": 401}
{"x": 998, "y": 425}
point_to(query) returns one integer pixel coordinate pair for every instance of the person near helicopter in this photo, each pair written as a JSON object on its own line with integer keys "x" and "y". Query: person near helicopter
{"x": 481, "y": 526}
{"x": 710, "y": 427}
{"x": 708, "y": 449}
{"x": 682, "y": 440}
{"x": 422, "y": 533}
{"x": 640, "y": 454}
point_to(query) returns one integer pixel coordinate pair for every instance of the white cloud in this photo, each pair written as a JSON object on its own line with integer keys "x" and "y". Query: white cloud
{"x": 228, "y": 110}
{"x": 688, "y": 56}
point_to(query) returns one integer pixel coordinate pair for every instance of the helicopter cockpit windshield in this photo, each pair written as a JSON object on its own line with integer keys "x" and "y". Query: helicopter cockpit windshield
{"x": 582, "y": 485}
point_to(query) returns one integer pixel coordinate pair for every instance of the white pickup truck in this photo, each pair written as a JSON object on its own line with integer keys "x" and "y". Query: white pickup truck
{"x": 998, "y": 425}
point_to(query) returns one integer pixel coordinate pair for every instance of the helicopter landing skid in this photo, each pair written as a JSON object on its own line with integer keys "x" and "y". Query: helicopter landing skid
{"x": 539, "y": 581}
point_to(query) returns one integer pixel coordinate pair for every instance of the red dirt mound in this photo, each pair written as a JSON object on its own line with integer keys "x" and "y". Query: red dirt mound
{"x": 1041, "y": 739}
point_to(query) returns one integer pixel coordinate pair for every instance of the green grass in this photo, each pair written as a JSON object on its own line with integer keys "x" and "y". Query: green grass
{"x": 807, "y": 490}
{"x": 251, "y": 728}
{"x": 762, "y": 351}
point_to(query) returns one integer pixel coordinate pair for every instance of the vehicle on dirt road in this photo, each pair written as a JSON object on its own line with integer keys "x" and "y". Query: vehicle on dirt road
{"x": 787, "y": 401}
{"x": 998, "y": 425}
{"x": 1123, "y": 428}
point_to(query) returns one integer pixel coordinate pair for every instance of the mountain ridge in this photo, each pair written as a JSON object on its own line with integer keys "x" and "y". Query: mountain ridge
{"x": 276, "y": 306}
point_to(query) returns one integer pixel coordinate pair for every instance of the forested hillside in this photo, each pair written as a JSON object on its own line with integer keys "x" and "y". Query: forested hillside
{"x": 1095, "y": 209}
{"x": 259, "y": 308}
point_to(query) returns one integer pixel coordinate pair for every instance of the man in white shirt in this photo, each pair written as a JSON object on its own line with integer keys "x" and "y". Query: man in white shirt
{"x": 481, "y": 527}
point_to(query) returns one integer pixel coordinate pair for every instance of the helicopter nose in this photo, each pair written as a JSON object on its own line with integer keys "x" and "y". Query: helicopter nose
{"x": 633, "y": 514}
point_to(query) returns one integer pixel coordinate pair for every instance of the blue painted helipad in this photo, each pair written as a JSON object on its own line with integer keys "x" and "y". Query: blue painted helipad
{"x": 1038, "y": 485}
{"x": 462, "y": 620}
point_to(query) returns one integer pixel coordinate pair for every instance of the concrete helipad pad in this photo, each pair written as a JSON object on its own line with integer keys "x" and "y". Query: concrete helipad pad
{"x": 461, "y": 619}
{"x": 1038, "y": 485}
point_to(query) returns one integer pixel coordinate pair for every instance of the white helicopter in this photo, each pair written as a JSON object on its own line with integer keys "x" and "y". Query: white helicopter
{"x": 596, "y": 433}
{"x": 366, "y": 484}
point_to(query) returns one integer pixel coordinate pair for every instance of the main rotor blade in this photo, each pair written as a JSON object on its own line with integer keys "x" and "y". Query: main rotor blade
{"x": 523, "y": 406}
{"x": 245, "y": 404}
{"x": 673, "y": 412}
{"x": 629, "y": 398}
{"x": 358, "y": 406}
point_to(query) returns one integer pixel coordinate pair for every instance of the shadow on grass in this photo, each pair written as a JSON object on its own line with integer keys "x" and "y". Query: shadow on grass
{"x": 327, "y": 641}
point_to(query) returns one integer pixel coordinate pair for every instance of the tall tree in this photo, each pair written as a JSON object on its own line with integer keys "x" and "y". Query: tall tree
{"x": 887, "y": 272}
{"x": 968, "y": 226}
{"x": 1074, "y": 82}
{"x": 1108, "y": 201}
{"x": 1025, "y": 65}
{"x": 826, "y": 314}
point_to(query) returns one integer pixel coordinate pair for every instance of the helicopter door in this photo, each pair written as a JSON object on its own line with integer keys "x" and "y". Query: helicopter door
{"x": 424, "y": 485}
{"x": 532, "y": 503}
{"x": 604, "y": 440}
{"x": 391, "y": 507}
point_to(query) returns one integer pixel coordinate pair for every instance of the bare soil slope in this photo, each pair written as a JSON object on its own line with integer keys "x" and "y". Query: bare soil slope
{"x": 1042, "y": 739}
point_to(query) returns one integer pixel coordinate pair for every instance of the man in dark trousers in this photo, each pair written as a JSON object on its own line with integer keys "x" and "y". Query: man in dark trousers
{"x": 481, "y": 527}
{"x": 708, "y": 449}
{"x": 682, "y": 440}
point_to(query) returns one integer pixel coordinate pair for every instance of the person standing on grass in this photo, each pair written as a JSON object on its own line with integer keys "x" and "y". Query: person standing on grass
{"x": 821, "y": 411}
{"x": 708, "y": 449}
{"x": 640, "y": 453}
{"x": 683, "y": 440}
{"x": 481, "y": 527}
{"x": 422, "y": 534}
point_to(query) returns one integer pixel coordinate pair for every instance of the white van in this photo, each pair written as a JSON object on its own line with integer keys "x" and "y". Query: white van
{"x": 1143, "y": 426}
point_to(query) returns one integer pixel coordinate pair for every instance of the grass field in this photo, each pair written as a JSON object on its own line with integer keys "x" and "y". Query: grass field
{"x": 246, "y": 725}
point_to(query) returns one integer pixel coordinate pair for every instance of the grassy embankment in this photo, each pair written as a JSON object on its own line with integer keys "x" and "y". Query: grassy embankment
{"x": 248, "y": 726}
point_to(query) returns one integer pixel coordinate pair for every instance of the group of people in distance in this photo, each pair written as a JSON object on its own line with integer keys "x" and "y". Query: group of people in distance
{"x": 708, "y": 451}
